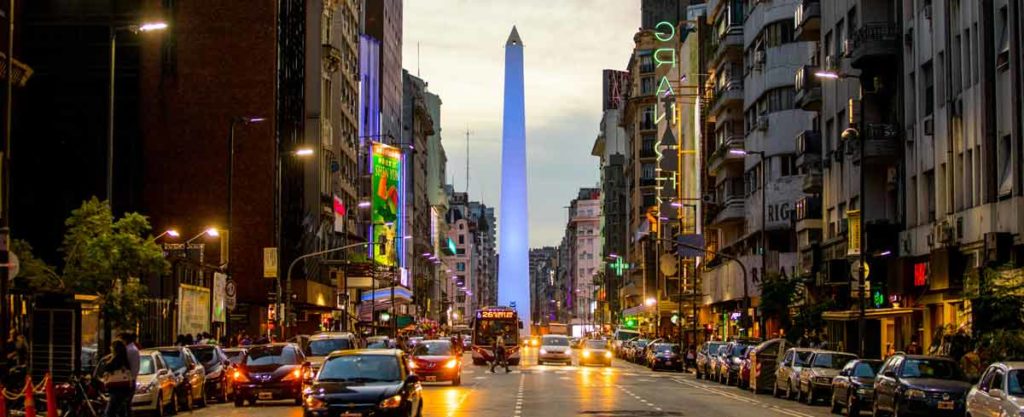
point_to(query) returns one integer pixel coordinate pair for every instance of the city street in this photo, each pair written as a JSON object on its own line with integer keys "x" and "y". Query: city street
{"x": 624, "y": 389}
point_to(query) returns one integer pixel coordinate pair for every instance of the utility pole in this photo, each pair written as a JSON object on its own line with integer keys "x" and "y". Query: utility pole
{"x": 5, "y": 166}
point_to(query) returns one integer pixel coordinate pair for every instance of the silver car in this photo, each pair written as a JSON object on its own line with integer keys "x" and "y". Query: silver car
{"x": 154, "y": 388}
{"x": 322, "y": 344}
{"x": 816, "y": 378}
{"x": 787, "y": 376}
{"x": 554, "y": 348}
{"x": 1000, "y": 392}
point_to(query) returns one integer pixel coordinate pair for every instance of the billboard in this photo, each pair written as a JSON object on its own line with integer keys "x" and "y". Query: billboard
{"x": 193, "y": 309}
{"x": 220, "y": 282}
{"x": 386, "y": 165}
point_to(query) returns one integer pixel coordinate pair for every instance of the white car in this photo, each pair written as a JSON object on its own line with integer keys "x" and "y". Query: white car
{"x": 554, "y": 348}
{"x": 154, "y": 389}
{"x": 1000, "y": 392}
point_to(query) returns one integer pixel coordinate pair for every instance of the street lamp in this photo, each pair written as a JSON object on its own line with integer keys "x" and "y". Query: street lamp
{"x": 143, "y": 27}
{"x": 210, "y": 231}
{"x": 168, "y": 232}
{"x": 291, "y": 266}
{"x": 764, "y": 222}
{"x": 226, "y": 242}
{"x": 304, "y": 152}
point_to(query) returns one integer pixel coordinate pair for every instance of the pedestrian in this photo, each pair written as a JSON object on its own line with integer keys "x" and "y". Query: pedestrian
{"x": 132, "y": 350}
{"x": 914, "y": 348}
{"x": 889, "y": 350}
{"x": 499, "y": 353}
{"x": 115, "y": 373}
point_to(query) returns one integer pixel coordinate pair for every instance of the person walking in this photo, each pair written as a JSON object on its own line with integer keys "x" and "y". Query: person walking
{"x": 132, "y": 351}
{"x": 115, "y": 373}
{"x": 499, "y": 353}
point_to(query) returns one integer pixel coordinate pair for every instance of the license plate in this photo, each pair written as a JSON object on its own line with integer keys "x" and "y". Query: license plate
{"x": 430, "y": 378}
{"x": 351, "y": 415}
{"x": 946, "y": 405}
{"x": 668, "y": 362}
{"x": 265, "y": 395}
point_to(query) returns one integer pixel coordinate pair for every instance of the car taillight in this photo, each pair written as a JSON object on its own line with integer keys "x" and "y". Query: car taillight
{"x": 239, "y": 377}
{"x": 293, "y": 375}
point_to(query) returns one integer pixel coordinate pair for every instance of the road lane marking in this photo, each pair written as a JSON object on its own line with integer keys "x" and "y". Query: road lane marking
{"x": 519, "y": 397}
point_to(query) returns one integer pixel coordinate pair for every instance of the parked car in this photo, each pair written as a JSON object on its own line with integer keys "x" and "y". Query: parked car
{"x": 730, "y": 363}
{"x": 554, "y": 348}
{"x": 787, "y": 376}
{"x": 705, "y": 358}
{"x": 744, "y": 381}
{"x": 764, "y": 361}
{"x": 155, "y": 386}
{"x": 435, "y": 360}
{"x": 636, "y": 349}
{"x": 1000, "y": 392}
{"x": 620, "y": 337}
{"x": 920, "y": 385}
{"x": 595, "y": 351}
{"x": 365, "y": 382}
{"x": 665, "y": 356}
{"x": 218, "y": 369}
{"x": 235, "y": 355}
{"x": 816, "y": 378}
{"x": 191, "y": 389}
{"x": 277, "y": 371}
{"x": 718, "y": 362}
{"x": 322, "y": 344}
{"x": 854, "y": 388}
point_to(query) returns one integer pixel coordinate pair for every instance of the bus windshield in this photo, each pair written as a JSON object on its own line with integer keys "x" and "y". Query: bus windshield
{"x": 486, "y": 330}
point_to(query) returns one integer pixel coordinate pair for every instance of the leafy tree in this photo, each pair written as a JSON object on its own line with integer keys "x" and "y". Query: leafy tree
{"x": 35, "y": 275}
{"x": 107, "y": 256}
{"x": 998, "y": 312}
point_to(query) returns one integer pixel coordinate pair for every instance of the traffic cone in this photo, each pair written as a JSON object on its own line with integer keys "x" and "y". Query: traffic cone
{"x": 51, "y": 396}
{"x": 3, "y": 402}
{"x": 30, "y": 401}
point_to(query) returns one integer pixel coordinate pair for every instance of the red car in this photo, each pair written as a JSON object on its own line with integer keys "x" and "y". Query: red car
{"x": 745, "y": 363}
{"x": 435, "y": 360}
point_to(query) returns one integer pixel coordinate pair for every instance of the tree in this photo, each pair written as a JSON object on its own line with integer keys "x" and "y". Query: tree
{"x": 106, "y": 257}
{"x": 1000, "y": 302}
{"x": 776, "y": 296}
{"x": 35, "y": 275}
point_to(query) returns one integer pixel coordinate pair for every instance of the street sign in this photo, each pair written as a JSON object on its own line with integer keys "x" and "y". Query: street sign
{"x": 512, "y": 304}
{"x": 853, "y": 245}
{"x": 269, "y": 262}
{"x": 230, "y": 294}
{"x": 690, "y": 246}
{"x": 855, "y": 270}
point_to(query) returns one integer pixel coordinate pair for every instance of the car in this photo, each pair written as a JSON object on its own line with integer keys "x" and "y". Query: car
{"x": 155, "y": 385}
{"x": 620, "y": 337}
{"x": 764, "y": 360}
{"x": 532, "y": 341}
{"x": 1000, "y": 392}
{"x": 575, "y": 342}
{"x": 235, "y": 354}
{"x": 191, "y": 389}
{"x": 853, "y": 388}
{"x": 787, "y": 375}
{"x": 277, "y": 371}
{"x": 554, "y": 348}
{"x": 816, "y": 378}
{"x": 705, "y": 358}
{"x": 435, "y": 360}
{"x": 745, "y": 363}
{"x": 218, "y": 370}
{"x": 322, "y": 344}
{"x": 595, "y": 351}
{"x": 379, "y": 342}
{"x": 645, "y": 353}
{"x": 665, "y": 356}
{"x": 637, "y": 349}
{"x": 720, "y": 363}
{"x": 365, "y": 382}
{"x": 301, "y": 340}
{"x": 730, "y": 363}
{"x": 919, "y": 385}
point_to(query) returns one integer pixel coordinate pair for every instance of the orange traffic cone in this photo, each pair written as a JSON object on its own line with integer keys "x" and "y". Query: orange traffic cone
{"x": 51, "y": 396}
{"x": 30, "y": 402}
{"x": 3, "y": 402}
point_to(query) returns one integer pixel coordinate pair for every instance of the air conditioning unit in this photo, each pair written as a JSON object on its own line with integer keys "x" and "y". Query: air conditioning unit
{"x": 943, "y": 233}
{"x": 762, "y": 123}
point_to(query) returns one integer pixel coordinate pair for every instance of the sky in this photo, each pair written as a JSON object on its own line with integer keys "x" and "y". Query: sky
{"x": 457, "y": 46}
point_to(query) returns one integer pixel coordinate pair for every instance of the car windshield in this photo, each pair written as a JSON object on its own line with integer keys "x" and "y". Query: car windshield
{"x": 802, "y": 357}
{"x": 322, "y": 347}
{"x": 206, "y": 355}
{"x": 271, "y": 355}
{"x": 433, "y": 348}
{"x": 597, "y": 344}
{"x": 361, "y": 368}
{"x": 641, "y": 343}
{"x": 173, "y": 359}
{"x": 146, "y": 365}
{"x": 380, "y": 344}
{"x": 831, "y": 361}
{"x": 555, "y": 341}
{"x": 666, "y": 347}
{"x": 1014, "y": 382}
{"x": 930, "y": 368}
{"x": 738, "y": 350}
{"x": 866, "y": 369}
{"x": 235, "y": 356}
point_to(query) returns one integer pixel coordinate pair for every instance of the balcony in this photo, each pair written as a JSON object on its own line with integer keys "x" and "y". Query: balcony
{"x": 808, "y": 88}
{"x": 807, "y": 20}
{"x": 808, "y": 149}
{"x": 881, "y": 142}
{"x": 812, "y": 181}
{"x": 874, "y": 44}
{"x": 729, "y": 211}
{"x": 331, "y": 58}
{"x": 730, "y": 94}
{"x": 721, "y": 155}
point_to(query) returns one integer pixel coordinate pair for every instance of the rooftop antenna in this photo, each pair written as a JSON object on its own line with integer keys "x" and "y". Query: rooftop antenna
{"x": 467, "y": 159}
{"x": 417, "y": 59}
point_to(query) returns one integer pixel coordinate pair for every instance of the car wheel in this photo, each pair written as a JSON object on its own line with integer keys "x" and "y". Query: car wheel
{"x": 202, "y": 396}
{"x": 852, "y": 409}
{"x": 792, "y": 393}
{"x": 189, "y": 403}
{"x": 457, "y": 381}
{"x": 160, "y": 408}
{"x": 835, "y": 404}
{"x": 173, "y": 406}
{"x": 810, "y": 396}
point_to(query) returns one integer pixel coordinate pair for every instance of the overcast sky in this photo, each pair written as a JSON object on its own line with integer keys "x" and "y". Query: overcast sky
{"x": 566, "y": 45}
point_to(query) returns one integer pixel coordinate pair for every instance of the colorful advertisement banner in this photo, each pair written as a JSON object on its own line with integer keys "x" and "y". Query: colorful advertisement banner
{"x": 386, "y": 202}
{"x": 220, "y": 282}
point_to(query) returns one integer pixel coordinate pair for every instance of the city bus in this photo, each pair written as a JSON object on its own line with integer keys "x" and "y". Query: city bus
{"x": 488, "y": 323}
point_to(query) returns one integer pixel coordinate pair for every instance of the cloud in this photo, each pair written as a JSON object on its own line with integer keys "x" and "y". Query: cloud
{"x": 567, "y": 44}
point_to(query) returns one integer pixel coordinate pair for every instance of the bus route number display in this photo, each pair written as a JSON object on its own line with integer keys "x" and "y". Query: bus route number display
{"x": 497, "y": 314}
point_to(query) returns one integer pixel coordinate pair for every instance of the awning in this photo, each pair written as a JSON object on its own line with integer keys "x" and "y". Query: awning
{"x": 871, "y": 313}
{"x": 637, "y": 310}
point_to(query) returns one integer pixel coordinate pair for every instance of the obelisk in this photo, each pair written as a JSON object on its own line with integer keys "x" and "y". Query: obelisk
{"x": 514, "y": 261}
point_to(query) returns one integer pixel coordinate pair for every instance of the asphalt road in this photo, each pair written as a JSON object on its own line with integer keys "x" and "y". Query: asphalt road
{"x": 624, "y": 389}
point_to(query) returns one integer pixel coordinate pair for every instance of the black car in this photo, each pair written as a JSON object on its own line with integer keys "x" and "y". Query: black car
{"x": 665, "y": 356}
{"x": 271, "y": 372}
{"x": 916, "y": 385}
{"x": 218, "y": 370}
{"x": 365, "y": 382}
{"x": 854, "y": 387}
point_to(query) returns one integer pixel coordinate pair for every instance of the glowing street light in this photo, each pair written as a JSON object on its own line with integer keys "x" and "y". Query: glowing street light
{"x": 304, "y": 152}
{"x": 168, "y": 232}
{"x": 650, "y": 301}
{"x": 831, "y": 75}
{"x": 152, "y": 26}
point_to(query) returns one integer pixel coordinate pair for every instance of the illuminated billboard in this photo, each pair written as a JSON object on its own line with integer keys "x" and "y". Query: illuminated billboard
{"x": 386, "y": 164}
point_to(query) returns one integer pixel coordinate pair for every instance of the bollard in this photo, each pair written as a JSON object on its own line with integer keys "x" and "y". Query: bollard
{"x": 51, "y": 396}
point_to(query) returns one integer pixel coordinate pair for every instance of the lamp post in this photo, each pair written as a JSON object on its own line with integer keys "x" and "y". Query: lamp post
{"x": 168, "y": 232}
{"x": 144, "y": 27}
{"x": 288, "y": 277}
{"x": 764, "y": 224}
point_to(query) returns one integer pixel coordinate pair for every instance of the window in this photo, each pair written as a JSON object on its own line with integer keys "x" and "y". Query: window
{"x": 647, "y": 85}
{"x": 646, "y": 61}
{"x": 928, "y": 87}
{"x": 929, "y": 195}
{"x": 997, "y": 380}
{"x": 647, "y": 143}
{"x": 788, "y": 165}
{"x": 460, "y": 266}
{"x": 647, "y": 171}
{"x": 1003, "y": 53}
{"x": 1004, "y": 167}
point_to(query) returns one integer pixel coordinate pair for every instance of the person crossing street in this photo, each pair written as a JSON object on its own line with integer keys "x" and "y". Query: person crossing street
{"x": 500, "y": 353}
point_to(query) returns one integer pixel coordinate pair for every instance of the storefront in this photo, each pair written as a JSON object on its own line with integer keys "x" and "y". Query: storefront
{"x": 884, "y": 327}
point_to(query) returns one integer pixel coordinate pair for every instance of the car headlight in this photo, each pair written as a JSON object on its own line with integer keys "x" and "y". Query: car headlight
{"x": 915, "y": 393}
{"x": 314, "y": 403}
{"x": 451, "y": 363}
{"x": 586, "y": 353}
{"x": 392, "y": 402}
{"x": 608, "y": 355}
{"x": 543, "y": 351}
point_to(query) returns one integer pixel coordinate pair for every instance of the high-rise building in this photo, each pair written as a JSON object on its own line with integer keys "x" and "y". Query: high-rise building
{"x": 438, "y": 201}
{"x": 417, "y": 129}
{"x": 383, "y": 22}
{"x": 542, "y": 285}
{"x": 584, "y": 231}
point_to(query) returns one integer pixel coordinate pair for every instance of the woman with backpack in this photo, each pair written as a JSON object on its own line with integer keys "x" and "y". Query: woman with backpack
{"x": 116, "y": 375}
